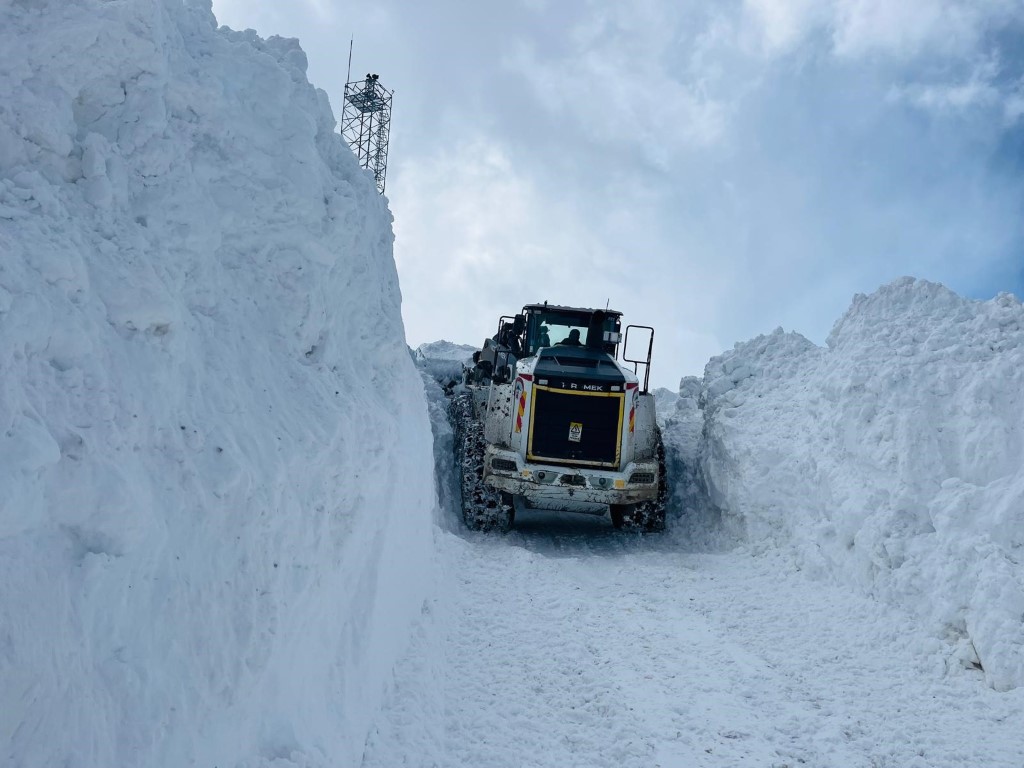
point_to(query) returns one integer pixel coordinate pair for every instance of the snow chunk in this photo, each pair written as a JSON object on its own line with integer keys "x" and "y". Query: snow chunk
{"x": 444, "y": 361}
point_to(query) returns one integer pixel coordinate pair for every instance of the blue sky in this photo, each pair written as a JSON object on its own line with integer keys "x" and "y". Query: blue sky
{"x": 713, "y": 169}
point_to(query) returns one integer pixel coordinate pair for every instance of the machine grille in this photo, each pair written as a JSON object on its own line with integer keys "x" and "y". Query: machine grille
{"x": 575, "y": 427}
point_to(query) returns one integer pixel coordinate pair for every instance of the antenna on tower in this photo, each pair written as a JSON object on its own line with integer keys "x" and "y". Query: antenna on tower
{"x": 366, "y": 121}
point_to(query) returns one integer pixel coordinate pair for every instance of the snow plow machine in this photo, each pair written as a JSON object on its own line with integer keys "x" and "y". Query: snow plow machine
{"x": 549, "y": 417}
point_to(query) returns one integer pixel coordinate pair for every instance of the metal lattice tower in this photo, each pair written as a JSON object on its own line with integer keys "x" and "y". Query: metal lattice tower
{"x": 366, "y": 124}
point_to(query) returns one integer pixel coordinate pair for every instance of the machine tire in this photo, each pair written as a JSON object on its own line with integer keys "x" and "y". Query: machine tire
{"x": 483, "y": 507}
{"x": 647, "y": 516}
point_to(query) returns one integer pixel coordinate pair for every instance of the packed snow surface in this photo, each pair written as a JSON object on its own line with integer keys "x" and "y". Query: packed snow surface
{"x": 566, "y": 643}
{"x": 215, "y": 459}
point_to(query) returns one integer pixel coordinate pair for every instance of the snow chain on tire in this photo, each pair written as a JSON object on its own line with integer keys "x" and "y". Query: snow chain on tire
{"x": 483, "y": 507}
{"x": 648, "y": 516}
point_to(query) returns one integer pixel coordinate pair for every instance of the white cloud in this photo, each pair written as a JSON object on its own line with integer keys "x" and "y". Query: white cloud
{"x": 622, "y": 79}
{"x": 324, "y": 10}
{"x": 781, "y": 25}
{"x": 952, "y": 98}
{"x": 912, "y": 29}
{"x": 1013, "y": 107}
{"x": 668, "y": 78}
{"x": 478, "y": 239}
{"x": 900, "y": 29}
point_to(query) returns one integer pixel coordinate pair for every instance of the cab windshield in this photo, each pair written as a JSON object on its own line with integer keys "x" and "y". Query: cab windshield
{"x": 562, "y": 328}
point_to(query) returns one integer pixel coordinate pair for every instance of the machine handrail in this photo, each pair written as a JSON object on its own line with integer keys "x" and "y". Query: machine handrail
{"x": 646, "y": 363}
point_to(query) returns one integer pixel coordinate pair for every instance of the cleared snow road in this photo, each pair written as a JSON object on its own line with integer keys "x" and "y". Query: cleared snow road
{"x": 567, "y": 644}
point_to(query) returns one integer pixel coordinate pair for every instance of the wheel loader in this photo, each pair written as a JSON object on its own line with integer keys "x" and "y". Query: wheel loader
{"x": 550, "y": 416}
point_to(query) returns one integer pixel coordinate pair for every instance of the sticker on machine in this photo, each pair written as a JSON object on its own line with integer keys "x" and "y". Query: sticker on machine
{"x": 575, "y": 431}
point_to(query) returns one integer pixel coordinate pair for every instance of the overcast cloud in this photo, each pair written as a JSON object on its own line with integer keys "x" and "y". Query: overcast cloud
{"x": 713, "y": 169}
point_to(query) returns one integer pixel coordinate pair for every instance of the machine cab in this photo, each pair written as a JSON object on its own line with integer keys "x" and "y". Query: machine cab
{"x": 594, "y": 332}
{"x": 548, "y": 326}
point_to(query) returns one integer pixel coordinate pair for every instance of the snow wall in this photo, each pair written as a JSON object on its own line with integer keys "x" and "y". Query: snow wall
{"x": 893, "y": 458}
{"x": 215, "y": 459}
{"x": 441, "y": 363}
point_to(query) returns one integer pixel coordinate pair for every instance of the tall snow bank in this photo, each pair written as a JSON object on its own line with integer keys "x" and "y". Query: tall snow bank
{"x": 894, "y": 457}
{"x": 215, "y": 460}
{"x": 441, "y": 364}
